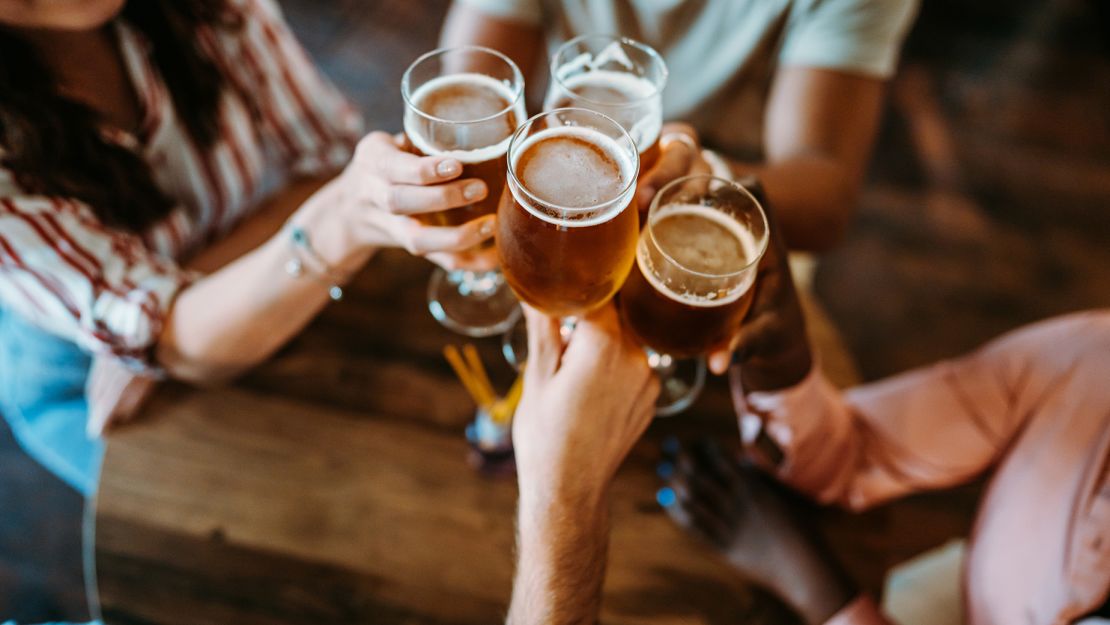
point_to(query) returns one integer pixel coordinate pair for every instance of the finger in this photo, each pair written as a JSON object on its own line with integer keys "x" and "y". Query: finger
{"x": 380, "y": 152}
{"x": 643, "y": 407}
{"x": 690, "y": 514}
{"x": 422, "y": 239}
{"x": 674, "y": 162}
{"x": 476, "y": 259}
{"x": 97, "y": 420}
{"x": 704, "y": 489}
{"x": 753, "y": 337}
{"x": 599, "y": 330}
{"x": 407, "y": 199}
{"x": 132, "y": 400}
{"x": 648, "y": 395}
{"x": 714, "y": 462}
{"x": 545, "y": 345}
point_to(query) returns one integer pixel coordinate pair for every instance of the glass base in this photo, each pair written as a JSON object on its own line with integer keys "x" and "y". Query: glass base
{"x": 474, "y": 303}
{"x": 680, "y": 382}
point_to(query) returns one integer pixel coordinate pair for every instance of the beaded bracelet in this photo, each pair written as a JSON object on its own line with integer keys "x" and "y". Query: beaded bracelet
{"x": 307, "y": 261}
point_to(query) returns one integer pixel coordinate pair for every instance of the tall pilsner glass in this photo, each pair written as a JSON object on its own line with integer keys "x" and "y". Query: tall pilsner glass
{"x": 465, "y": 103}
{"x": 567, "y": 229}
{"x": 696, "y": 264}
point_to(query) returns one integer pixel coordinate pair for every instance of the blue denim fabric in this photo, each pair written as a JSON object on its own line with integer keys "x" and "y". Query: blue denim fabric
{"x": 42, "y": 396}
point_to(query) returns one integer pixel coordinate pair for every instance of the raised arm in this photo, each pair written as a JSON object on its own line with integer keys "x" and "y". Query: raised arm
{"x": 582, "y": 410}
{"x": 930, "y": 428}
{"x": 819, "y": 130}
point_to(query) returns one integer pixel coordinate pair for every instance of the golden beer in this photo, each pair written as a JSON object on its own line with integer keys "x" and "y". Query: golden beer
{"x": 626, "y": 98}
{"x": 566, "y": 231}
{"x": 688, "y": 312}
{"x": 465, "y": 103}
{"x": 469, "y": 116}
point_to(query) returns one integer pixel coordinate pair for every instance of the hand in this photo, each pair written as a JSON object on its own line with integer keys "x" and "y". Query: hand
{"x": 389, "y": 185}
{"x": 115, "y": 395}
{"x": 680, "y": 155}
{"x": 583, "y": 407}
{"x": 771, "y": 347}
{"x": 742, "y": 513}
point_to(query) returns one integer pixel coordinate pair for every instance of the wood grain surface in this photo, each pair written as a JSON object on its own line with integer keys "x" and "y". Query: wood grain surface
{"x": 331, "y": 486}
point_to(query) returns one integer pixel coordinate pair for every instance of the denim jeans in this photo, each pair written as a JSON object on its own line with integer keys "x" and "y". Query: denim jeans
{"x": 42, "y": 396}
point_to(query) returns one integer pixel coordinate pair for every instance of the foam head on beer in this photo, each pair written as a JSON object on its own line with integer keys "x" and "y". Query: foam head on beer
{"x": 696, "y": 264}
{"x": 704, "y": 245}
{"x": 617, "y": 77}
{"x": 577, "y": 168}
{"x": 480, "y": 112}
{"x": 629, "y": 99}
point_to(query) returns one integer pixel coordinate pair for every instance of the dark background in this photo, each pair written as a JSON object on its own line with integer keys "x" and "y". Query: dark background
{"x": 987, "y": 207}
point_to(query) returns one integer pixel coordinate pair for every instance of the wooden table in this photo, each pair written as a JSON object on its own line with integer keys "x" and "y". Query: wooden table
{"x": 331, "y": 486}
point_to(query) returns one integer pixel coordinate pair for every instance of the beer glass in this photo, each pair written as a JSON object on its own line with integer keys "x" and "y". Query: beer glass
{"x": 696, "y": 263}
{"x": 465, "y": 103}
{"x": 617, "y": 76}
{"x": 566, "y": 228}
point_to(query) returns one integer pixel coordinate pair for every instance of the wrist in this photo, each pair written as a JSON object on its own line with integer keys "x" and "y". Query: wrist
{"x": 546, "y": 501}
{"x": 326, "y": 217}
{"x": 819, "y": 588}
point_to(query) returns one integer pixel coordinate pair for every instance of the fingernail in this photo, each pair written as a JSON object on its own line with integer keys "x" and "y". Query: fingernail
{"x": 487, "y": 227}
{"x": 666, "y": 497}
{"x": 664, "y": 470}
{"x": 449, "y": 167}
{"x": 473, "y": 191}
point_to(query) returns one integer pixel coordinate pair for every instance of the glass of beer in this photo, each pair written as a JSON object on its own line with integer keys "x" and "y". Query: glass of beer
{"x": 465, "y": 103}
{"x": 566, "y": 228}
{"x": 617, "y": 76}
{"x": 696, "y": 264}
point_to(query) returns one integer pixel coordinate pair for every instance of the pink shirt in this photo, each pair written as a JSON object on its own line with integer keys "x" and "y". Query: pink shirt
{"x": 1032, "y": 407}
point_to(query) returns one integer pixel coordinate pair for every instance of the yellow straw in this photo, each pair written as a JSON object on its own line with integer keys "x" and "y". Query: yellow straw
{"x": 479, "y": 372}
{"x": 452, "y": 354}
{"x": 503, "y": 409}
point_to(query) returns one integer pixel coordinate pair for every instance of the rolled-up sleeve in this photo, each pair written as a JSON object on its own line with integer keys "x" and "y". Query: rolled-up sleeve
{"x": 101, "y": 288}
{"x": 859, "y": 36}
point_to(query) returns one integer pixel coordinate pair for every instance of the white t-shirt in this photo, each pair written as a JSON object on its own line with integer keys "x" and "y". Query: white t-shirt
{"x": 722, "y": 54}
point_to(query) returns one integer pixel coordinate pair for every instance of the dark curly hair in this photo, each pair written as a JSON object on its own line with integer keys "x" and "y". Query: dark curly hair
{"x": 52, "y": 144}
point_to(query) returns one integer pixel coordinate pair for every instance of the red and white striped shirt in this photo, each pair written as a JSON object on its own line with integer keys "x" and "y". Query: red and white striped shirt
{"x": 108, "y": 290}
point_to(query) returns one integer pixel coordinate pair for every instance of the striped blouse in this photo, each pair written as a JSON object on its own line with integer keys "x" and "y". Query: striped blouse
{"x": 109, "y": 291}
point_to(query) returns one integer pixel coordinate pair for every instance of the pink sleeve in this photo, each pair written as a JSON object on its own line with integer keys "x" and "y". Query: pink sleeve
{"x": 930, "y": 428}
{"x": 862, "y": 611}
{"x": 308, "y": 119}
{"x": 100, "y": 288}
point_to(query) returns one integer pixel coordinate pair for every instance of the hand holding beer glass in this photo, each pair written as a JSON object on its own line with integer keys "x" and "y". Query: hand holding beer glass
{"x": 566, "y": 233}
{"x": 696, "y": 267}
{"x": 465, "y": 103}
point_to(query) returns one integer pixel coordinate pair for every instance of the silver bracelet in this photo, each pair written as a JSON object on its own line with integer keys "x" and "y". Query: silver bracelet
{"x": 307, "y": 261}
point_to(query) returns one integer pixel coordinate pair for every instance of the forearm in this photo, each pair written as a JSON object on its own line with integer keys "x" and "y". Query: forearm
{"x": 243, "y": 312}
{"x": 813, "y": 197}
{"x": 562, "y": 546}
